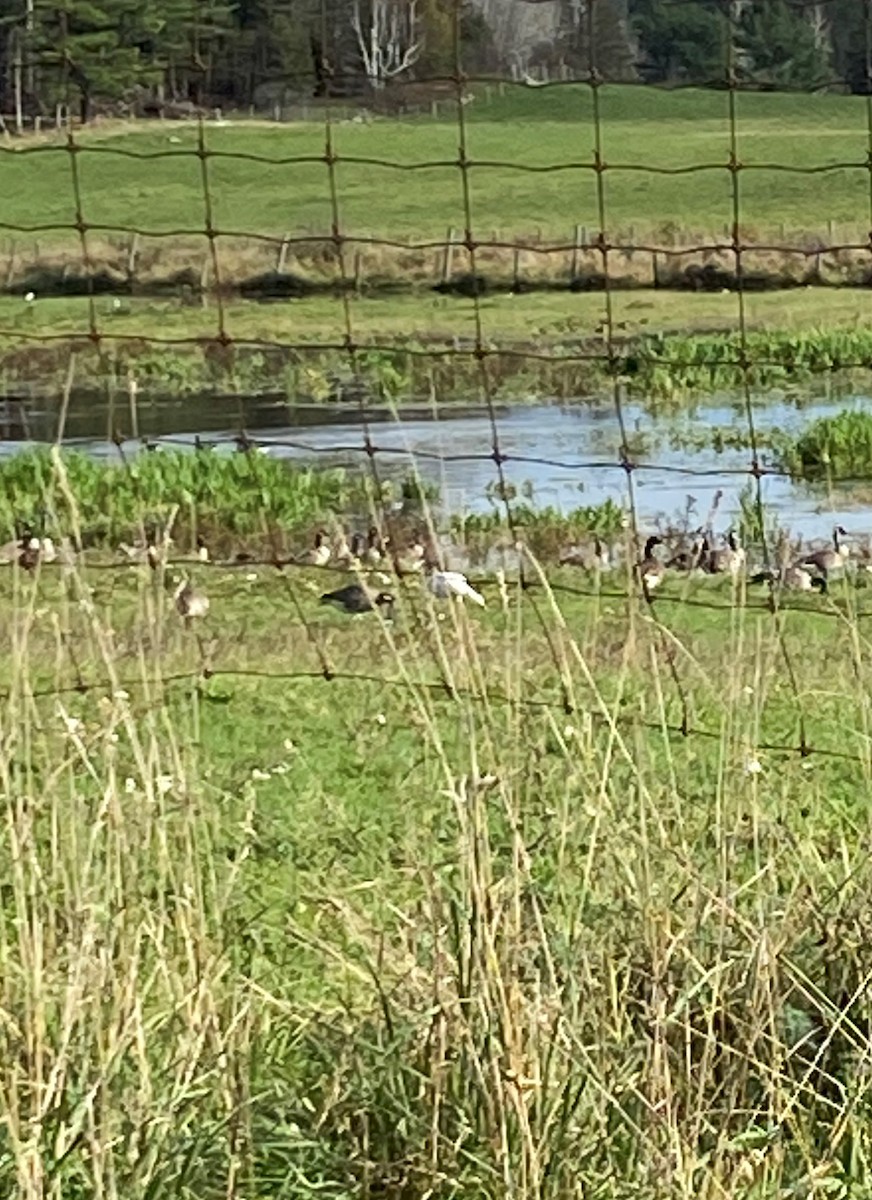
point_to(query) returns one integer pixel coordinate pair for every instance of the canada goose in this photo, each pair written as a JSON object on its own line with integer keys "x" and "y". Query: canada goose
{"x": 202, "y": 549}
{"x": 414, "y": 556}
{"x": 355, "y": 598}
{"x": 650, "y": 569}
{"x": 319, "y": 554}
{"x": 827, "y": 560}
{"x": 595, "y": 557}
{"x": 347, "y": 554}
{"x": 729, "y": 559}
{"x": 448, "y": 585}
{"x": 341, "y": 553}
{"x": 690, "y": 559}
{"x": 795, "y": 579}
{"x": 30, "y": 554}
{"x": 189, "y": 601}
{"x": 375, "y": 547}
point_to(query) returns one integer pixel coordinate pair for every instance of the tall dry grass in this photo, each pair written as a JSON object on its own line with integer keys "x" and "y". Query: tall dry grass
{"x": 561, "y": 951}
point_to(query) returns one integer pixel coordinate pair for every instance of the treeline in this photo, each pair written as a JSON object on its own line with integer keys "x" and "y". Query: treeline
{"x": 147, "y": 55}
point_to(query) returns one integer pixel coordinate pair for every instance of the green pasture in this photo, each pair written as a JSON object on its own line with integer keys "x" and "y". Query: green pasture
{"x": 157, "y": 183}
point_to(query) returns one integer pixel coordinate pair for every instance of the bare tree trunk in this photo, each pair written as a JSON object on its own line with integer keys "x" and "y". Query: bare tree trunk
{"x": 16, "y": 83}
{"x": 387, "y": 37}
{"x": 28, "y": 29}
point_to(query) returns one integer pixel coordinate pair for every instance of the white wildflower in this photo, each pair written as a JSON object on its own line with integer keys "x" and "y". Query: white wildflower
{"x": 753, "y": 765}
{"x": 289, "y": 746}
{"x": 129, "y": 785}
{"x": 164, "y": 784}
{"x": 380, "y": 719}
{"x": 259, "y": 776}
{"x": 120, "y": 694}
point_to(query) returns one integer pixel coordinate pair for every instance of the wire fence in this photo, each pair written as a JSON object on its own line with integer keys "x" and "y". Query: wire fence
{"x": 592, "y": 260}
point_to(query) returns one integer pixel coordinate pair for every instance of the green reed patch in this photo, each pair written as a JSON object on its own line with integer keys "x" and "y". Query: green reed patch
{"x": 237, "y": 492}
{"x": 666, "y": 365}
{"x": 837, "y": 447}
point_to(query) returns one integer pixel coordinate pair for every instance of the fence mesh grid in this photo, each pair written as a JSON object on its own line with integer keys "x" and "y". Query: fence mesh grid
{"x": 463, "y": 269}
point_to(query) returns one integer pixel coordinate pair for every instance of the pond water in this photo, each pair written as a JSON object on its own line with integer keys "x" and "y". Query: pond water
{"x": 559, "y": 455}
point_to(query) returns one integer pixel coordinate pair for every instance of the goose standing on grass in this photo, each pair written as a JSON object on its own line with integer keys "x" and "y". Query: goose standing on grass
{"x": 319, "y": 554}
{"x": 341, "y": 553}
{"x": 355, "y": 598}
{"x": 452, "y": 585}
{"x": 375, "y": 547}
{"x": 190, "y": 603}
{"x": 348, "y": 554}
{"x": 729, "y": 559}
{"x": 831, "y": 558}
{"x": 202, "y": 549}
{"x": 650, "y": 569}
{"x": 414, "y": 556}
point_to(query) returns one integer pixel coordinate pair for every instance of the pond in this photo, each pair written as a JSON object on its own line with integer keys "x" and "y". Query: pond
{"x": 559, "y": 455}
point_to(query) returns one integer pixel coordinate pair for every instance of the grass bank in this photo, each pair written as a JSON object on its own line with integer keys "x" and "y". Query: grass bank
{"x": 245, "y": 501}
{"x": 472, "y": 916}
{"x": 664, "y": 347}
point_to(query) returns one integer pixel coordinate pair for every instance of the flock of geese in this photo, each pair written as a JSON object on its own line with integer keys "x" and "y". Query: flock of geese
{"x": 806, "y": 573}
{"x": 359, "y": 553}
{"x": 365, "y": 554}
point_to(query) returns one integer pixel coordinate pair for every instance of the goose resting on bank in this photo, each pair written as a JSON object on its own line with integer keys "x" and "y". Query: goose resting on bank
{"x": 829, "y": 559}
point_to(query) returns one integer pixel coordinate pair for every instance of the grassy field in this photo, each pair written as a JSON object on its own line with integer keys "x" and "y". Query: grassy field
{"x": 641, "y": 129}
{"x": 470, "y": 917}
{"x": 666, "y": 184}
{"x": 148, "y": 177}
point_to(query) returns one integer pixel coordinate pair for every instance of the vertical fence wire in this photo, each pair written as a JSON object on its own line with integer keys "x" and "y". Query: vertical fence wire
{"x": 746, "y": 367}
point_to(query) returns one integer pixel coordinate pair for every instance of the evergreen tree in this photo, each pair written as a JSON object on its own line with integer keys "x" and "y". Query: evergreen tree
{"x": 686, "y": 42}
{"x": 847, "y": 22}
{"x": 778, "y": 46}
{"x": 89, "y": 49}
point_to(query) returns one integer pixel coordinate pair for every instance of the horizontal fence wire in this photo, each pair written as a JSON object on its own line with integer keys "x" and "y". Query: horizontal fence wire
{"x": 595, "y": 266}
